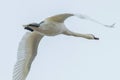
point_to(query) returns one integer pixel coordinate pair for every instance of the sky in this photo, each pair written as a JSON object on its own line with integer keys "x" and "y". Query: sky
{"x": 63, "y": 57}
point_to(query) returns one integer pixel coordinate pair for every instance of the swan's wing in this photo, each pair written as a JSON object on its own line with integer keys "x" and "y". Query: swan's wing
{"x": 60, "y": 17}
{"x": 26, "y": 53}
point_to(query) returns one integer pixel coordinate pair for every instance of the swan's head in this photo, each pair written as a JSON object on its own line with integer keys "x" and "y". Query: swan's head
{"x": 31, "y": 26}
{"x": 91, "y": 36}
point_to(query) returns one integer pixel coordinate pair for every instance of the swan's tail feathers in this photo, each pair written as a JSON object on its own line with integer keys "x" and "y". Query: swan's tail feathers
{"x": 81, "y": 16}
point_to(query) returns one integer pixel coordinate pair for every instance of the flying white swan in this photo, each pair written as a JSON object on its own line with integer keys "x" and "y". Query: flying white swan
{"x": 51, "y": 26}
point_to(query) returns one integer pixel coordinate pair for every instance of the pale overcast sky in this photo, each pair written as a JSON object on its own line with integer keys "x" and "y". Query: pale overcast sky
{"x": 63, "y": 57}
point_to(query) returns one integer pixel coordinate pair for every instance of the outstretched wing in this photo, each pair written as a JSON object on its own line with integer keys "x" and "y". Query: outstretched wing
{"x": 26, "y": 53}
{"x": 62, "y": 17}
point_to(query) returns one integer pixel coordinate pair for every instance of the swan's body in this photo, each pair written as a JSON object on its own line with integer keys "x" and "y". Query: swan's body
{"x": 49, "y": 28}
{"x": 27, "y": 50}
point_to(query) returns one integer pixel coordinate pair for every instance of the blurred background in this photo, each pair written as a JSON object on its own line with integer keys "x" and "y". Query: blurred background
{"x": 63, "y": 57}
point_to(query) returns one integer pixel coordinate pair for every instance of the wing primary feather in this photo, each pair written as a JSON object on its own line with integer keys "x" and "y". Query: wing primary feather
{"x": 82, "y": 16}
{"x": 27, "y": 51}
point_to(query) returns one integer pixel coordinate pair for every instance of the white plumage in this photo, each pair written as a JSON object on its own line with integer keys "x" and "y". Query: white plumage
{"x": 51, "y": 26}
{"x": 26, "y": 53}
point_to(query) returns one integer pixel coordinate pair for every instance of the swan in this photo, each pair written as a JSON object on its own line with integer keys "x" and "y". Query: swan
{"x": 51, "y": 26}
